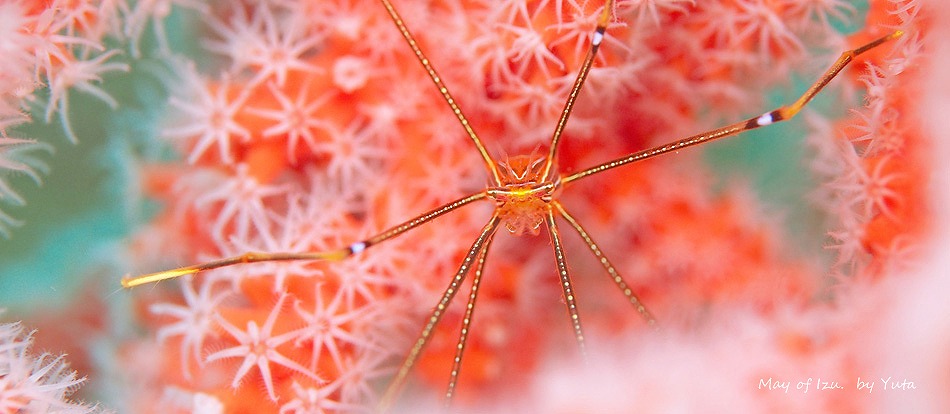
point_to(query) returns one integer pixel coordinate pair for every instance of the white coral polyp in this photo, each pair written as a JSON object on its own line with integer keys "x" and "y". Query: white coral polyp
{"x": 350, "y": 73}
{"x": 34, "y": 384}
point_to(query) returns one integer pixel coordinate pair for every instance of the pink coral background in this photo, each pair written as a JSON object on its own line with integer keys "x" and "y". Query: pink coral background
{"x": 316, "y": 127}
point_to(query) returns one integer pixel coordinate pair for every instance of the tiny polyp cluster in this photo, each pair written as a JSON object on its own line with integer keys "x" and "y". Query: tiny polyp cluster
{"x": 57, "y": 46}
{"x": 878, "y": 194}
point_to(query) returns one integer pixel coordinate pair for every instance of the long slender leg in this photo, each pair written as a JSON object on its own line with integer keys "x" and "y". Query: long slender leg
{"x": 437, "y": 80}
{"x": 399, "y": 380}
{"x": 611, "y": 270}
{"x": 781, "y": 114}
{"x": 565, "y": 277}
{"x": 466, "y": 324}
{"x": 332, "y": 255}
{"x": 578, "y": 84}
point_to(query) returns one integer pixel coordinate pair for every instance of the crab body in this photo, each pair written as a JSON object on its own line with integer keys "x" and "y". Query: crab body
{"x": 524, "y": 197}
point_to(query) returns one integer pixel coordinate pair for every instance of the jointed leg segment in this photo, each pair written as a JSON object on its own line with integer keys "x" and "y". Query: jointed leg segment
{"x": 466, "y": 324}
{"x": 437, "y": 80}
{"x": 474, "y": 252}
{"x": 566, "y": 285}
{"x": 578, "y": 84}
{"x": 332, "y": 255}
{"x": 768, "y": 118}
{"x": 614, "y": 274}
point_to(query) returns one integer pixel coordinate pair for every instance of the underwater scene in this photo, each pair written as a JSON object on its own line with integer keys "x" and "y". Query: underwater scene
{"x": 252, "y": 206}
